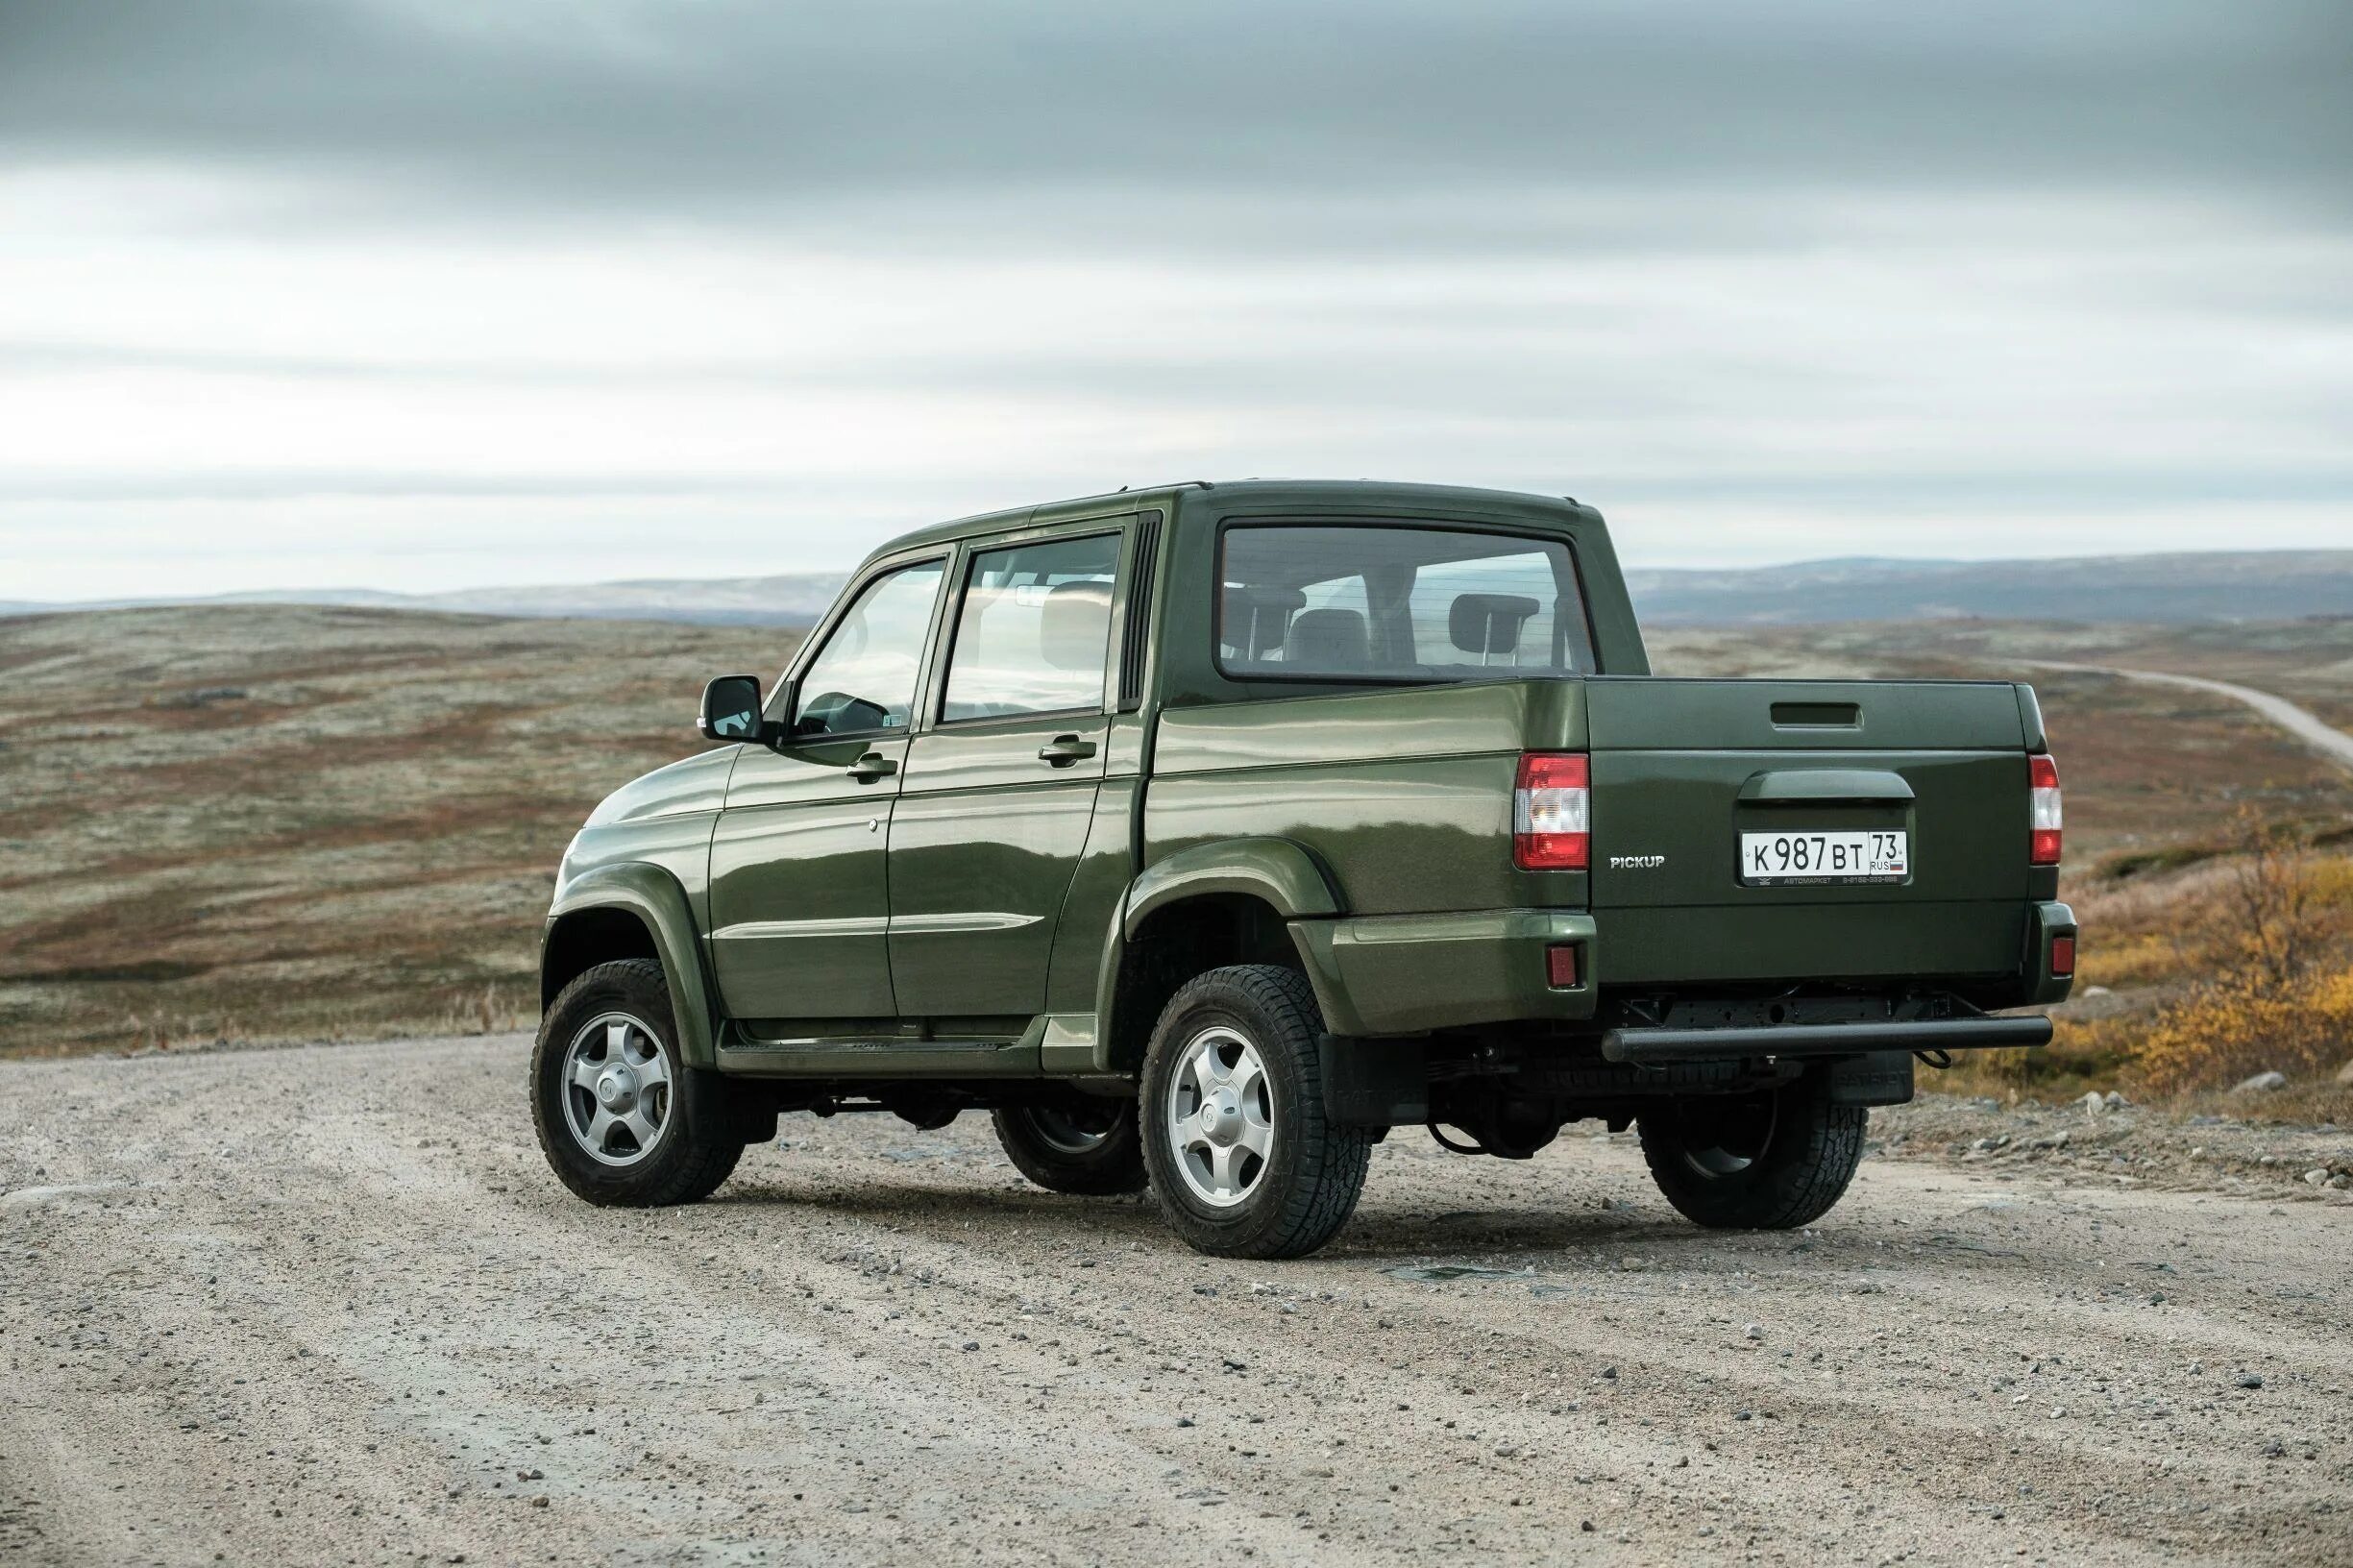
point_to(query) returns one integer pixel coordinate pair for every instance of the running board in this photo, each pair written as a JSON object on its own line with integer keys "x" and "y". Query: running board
{"x": 894, "y": 1056}
{"x": 1650, "y": 1046}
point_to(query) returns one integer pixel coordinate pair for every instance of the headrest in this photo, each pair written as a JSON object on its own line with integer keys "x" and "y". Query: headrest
{"x": 1255, "y": 619}
{"x": 1074, "y": 630}
{"x": 1328, "y": 640}
{"x": 1485, "y": 624}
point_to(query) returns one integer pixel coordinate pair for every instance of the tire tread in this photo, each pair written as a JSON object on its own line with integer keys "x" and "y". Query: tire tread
{"x": 1796, "y": 1185}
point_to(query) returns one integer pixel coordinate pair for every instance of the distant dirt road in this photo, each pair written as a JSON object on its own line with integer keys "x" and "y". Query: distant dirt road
{"x": 326, "y": 1304}
{"x": 2324, "y": 738}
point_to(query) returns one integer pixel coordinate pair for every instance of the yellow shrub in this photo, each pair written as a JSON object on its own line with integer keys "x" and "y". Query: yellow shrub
{"x": 2128, "y": 959}
{"x": 2331, "y": 996}
{"x": 2241, "y": 1024}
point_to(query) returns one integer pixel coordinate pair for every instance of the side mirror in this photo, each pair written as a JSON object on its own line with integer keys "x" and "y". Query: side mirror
{"x": 731, "y": 710}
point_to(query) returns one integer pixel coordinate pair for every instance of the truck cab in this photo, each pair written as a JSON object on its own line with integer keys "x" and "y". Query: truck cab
{"x": 1203, "y": 835}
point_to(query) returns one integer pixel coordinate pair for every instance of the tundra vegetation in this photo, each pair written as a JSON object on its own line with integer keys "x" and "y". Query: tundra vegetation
{"x": 286, "y": 823}
{"x": 282, "y": 822}
{"x": 2243, "y": 956}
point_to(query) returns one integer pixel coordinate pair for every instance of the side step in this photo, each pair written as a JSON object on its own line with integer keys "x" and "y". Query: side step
{"x": 1647, "y": 1046}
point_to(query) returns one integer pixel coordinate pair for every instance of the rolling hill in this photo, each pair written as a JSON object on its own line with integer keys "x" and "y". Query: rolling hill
{"x": 2208, "y": 585}
{"x": 2249, "y": 585}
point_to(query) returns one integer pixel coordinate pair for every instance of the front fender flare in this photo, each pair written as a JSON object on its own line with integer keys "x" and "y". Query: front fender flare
{"x": 654, "y": 897}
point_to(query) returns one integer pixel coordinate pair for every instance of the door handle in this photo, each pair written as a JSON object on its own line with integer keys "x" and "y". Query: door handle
{"x": 1812, "y": 786}
{"x": 1064, "y": 749}
{"x": 872, "y": 767}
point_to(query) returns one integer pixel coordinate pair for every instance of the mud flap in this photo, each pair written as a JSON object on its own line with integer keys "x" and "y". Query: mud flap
{"x": 1374, "y": 1083}
{"x": 1875, "y": 1078}
{"x": 751, "y": 1106}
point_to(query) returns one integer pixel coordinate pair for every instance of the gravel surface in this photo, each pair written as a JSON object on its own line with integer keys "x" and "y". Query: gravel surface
{"x": 326, "y": 1304}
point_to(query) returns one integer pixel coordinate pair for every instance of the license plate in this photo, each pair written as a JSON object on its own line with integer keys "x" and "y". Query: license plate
{"x": 1824, "y": 857}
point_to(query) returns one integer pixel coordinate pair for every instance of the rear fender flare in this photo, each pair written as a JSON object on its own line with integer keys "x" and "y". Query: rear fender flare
{"x": 1283, "y": 874}
{"x": 654, "y": 897}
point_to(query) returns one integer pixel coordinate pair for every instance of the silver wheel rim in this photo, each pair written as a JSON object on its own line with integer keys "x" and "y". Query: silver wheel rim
{"x": 1722, "y": 1147}
{"x": 617, "y": 1089}
{"x": 1221, "y": 1115}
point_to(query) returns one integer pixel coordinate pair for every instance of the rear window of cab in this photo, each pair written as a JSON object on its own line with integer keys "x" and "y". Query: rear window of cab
{"x": 1378, "y": 602}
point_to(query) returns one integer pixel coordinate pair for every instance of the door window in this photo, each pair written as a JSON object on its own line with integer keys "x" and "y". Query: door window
{"x": 863, "y": 679}
{"x": 1034, "y": 635}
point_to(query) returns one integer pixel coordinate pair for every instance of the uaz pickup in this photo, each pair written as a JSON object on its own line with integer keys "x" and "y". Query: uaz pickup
{"x": 1205, "y": 833}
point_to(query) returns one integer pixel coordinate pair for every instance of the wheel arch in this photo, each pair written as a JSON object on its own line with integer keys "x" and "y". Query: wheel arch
{"x": 632, "y": 909}
{"x": 1214, "y": 904}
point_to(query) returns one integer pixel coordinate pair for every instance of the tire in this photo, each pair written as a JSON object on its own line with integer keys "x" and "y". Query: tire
{"x": 1085, "y": 1147}
{"x": 1767, "y": 1161}
{"x": 697, "y": 1134}
{"x": 1291, "y": 1177}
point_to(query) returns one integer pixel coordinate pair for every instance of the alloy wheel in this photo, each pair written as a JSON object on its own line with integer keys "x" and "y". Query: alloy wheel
{"x": 1220, "y": 1116}
{"x": 1723, "y": 1136}
{"x": 617, "y": 1085}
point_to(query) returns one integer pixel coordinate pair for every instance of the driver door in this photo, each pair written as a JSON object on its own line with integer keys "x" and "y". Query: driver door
{"x": 799, "y": 906}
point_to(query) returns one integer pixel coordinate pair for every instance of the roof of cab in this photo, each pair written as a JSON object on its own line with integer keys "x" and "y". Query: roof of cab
{"x": 1254, "y": 495}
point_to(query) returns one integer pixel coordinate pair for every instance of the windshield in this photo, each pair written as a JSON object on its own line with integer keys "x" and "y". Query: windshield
{"x": 1361, "y": 601}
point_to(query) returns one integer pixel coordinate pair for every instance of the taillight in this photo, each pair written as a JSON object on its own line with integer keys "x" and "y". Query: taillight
{"x": 2042, "y": 791}
{"x": 2062, "y": 958}
{"x": 1551, "y": 813}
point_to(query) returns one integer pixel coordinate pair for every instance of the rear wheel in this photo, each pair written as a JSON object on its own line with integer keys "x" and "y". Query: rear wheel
{"x": 1086, "y": 1144}
{"x": 1771, "y": 1160}
{"x": 1244, "y": 1159}
{"x": 621, "y": 1119}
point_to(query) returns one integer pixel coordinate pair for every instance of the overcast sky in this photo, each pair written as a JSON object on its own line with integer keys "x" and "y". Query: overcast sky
{"x": 432, "y": 293}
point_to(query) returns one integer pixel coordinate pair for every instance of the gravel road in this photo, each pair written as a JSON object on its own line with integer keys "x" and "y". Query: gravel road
{"x": 2309, "y": 728}
{"x": 326, "y": 1304}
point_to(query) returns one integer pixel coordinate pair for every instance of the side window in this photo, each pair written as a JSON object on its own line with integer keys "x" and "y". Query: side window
{"x": 1338, "y": 601}
{"x": 1034, "y": 635}
{"x": 863, "y": 679}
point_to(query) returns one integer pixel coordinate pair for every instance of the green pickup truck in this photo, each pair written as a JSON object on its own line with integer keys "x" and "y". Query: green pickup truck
{"x": 1205, "y": 833}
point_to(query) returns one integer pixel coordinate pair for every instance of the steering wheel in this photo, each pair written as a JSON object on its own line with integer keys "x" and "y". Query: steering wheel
{"x": 836, "y": 713}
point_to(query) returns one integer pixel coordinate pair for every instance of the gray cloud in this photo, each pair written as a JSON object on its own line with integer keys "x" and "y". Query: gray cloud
{"x": 438, "y": 281}
{"x": 774, "y": 114}
{"x": 1855, "y": 492}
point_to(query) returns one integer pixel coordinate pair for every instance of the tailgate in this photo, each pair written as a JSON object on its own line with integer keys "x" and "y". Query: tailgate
{"x": 1876, "y": 805}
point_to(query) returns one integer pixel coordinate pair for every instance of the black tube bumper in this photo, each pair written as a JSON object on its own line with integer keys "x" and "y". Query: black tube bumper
{"x": 1648, "y": 1046}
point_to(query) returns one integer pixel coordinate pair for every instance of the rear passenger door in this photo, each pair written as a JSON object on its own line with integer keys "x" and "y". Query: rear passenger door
{"x": 997, "y": 794}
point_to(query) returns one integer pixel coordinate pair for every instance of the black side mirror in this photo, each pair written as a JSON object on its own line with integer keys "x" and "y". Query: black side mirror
{"x": 731, "y": 710}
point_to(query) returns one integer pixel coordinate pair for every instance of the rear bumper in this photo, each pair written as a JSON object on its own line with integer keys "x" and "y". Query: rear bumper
{"x": 2048, "y": 923}
{"x": 1403, "y": 975}
{"x": 1650, "y": 1046}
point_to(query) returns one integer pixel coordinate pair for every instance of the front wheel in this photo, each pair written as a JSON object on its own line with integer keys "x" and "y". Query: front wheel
{"x": 621, "y": 1119}
{"x": 1243, "y": 1159}
{"x": 1771, "y": 1160}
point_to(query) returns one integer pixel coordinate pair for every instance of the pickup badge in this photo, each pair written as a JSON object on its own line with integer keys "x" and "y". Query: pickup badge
{"x": 1636, "y": 863}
